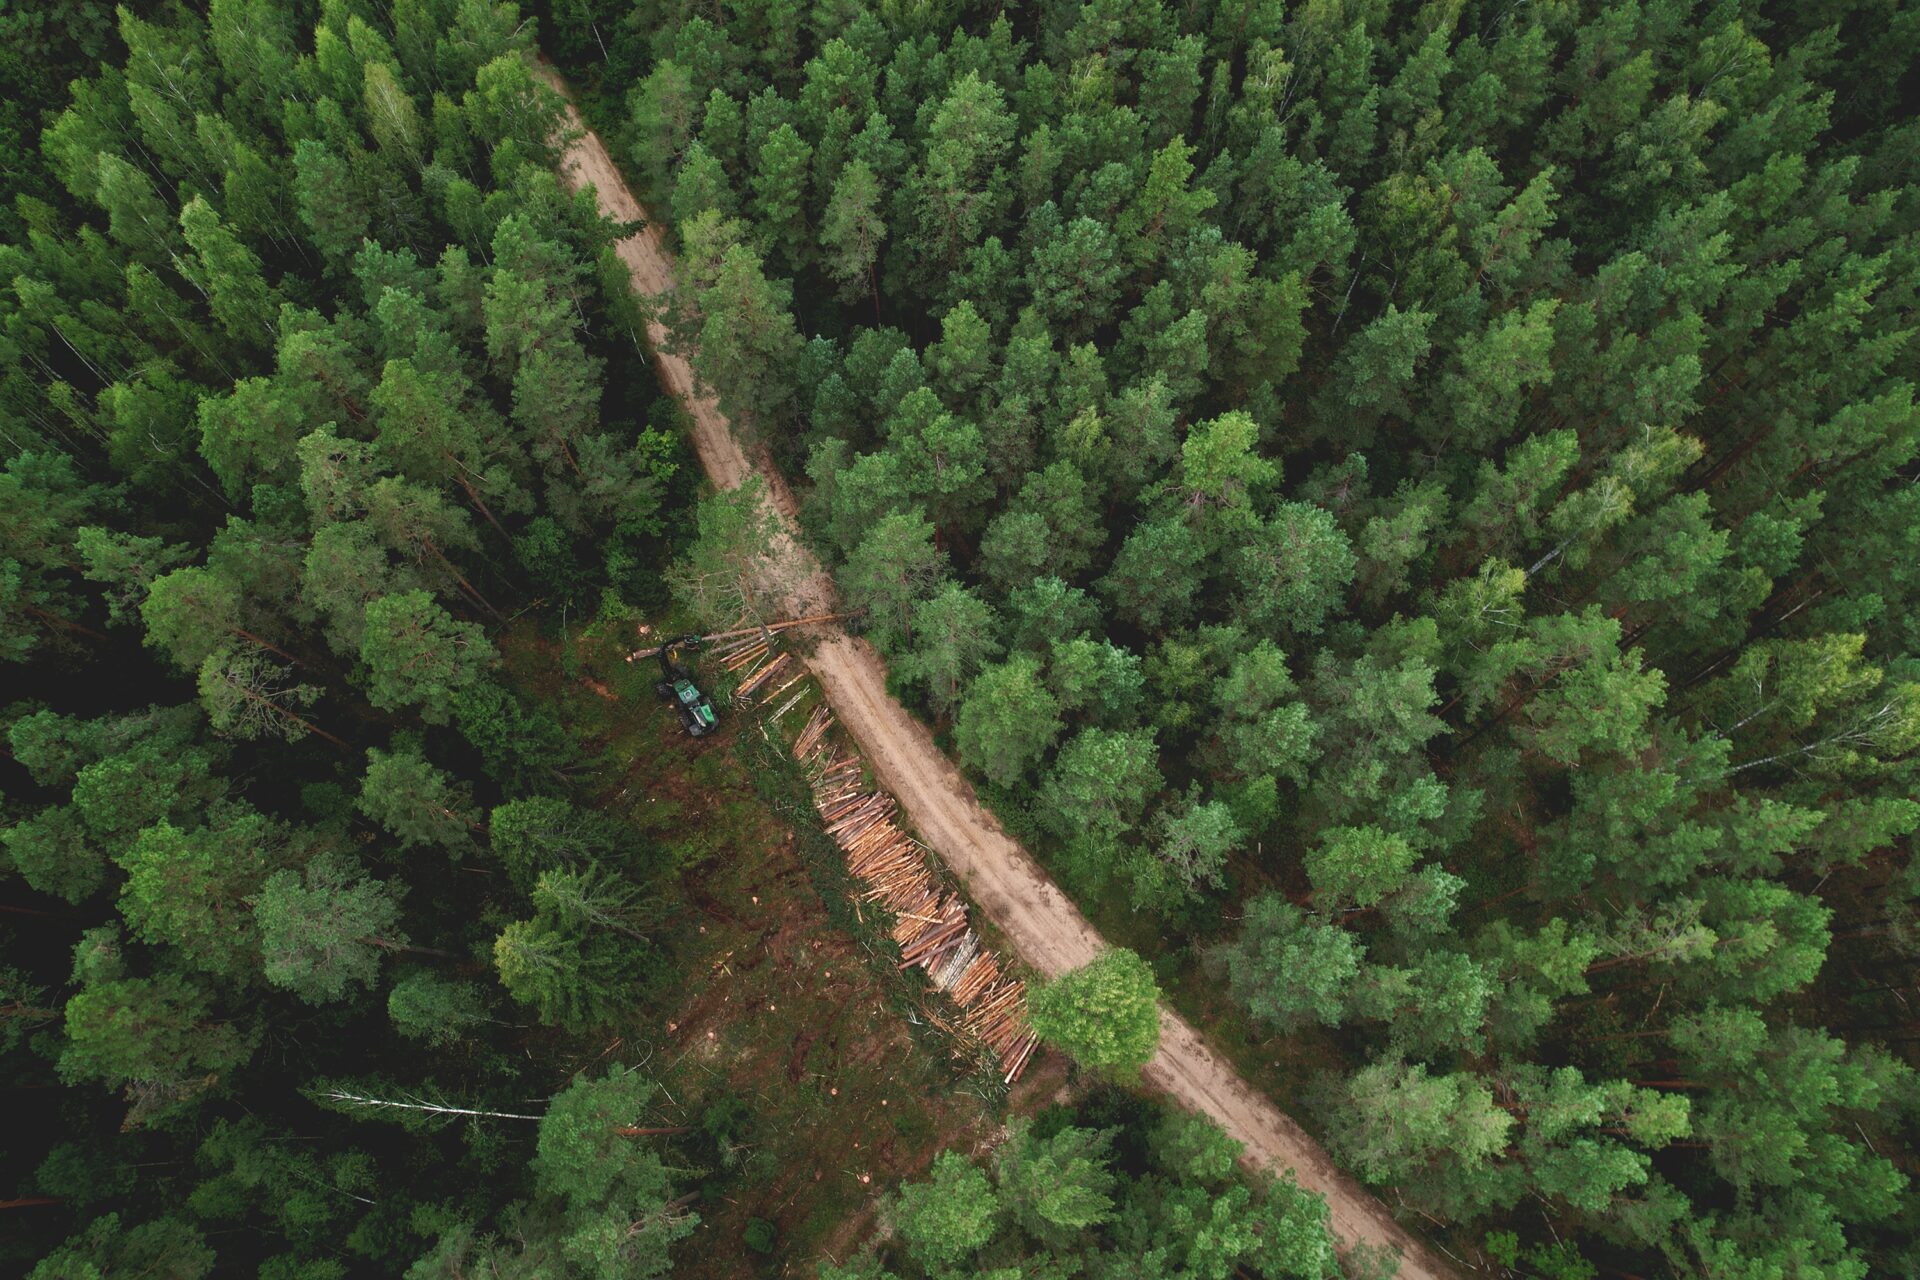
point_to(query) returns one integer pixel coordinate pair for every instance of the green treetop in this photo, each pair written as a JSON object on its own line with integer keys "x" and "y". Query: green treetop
{"x": 1105, "y": 1014}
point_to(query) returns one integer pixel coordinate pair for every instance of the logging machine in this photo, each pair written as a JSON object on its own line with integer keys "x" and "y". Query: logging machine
{"x": 676, "y": 686}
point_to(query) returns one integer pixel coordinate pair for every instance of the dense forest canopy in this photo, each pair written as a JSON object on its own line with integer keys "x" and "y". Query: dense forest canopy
{"x": 1411, "y": 506}
{"x": 350, "y": 910}
{"x": 306, "y": 388}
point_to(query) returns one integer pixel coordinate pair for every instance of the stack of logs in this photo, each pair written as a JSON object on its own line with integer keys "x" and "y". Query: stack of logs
{"x": 930, "y": 923}
{"x": 754, "y": 656}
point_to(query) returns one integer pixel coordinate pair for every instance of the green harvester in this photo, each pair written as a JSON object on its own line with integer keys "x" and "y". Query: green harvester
{"x": 676, "y": 686}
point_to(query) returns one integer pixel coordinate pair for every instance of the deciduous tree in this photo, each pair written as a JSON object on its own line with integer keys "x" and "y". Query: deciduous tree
{"x": 1105, "y": 1014}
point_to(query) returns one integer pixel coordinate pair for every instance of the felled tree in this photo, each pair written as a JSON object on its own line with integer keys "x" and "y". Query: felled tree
{"x": 724, "y": 572}
{"x": 592, "y": 897}
{"x": 1105, "y": 1014}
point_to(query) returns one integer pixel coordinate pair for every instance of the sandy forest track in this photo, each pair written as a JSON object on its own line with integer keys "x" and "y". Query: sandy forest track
{"x": 1043, "y": 926}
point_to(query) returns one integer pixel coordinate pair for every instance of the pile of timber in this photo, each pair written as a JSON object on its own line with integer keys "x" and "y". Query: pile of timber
{"x": 762, "y": 673}
{"x": 929, "y": 921}
{"x": 749, "y": 653}
{"x": 742, "y": 635}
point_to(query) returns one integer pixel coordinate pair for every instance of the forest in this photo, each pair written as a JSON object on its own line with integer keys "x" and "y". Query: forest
{"x": 1408, "y": 510}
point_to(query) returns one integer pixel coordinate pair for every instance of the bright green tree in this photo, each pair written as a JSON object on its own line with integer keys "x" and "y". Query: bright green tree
{"x": 954, "y": 633}
{"x": 620, "y": 1217}
{"x": 948, "y": 1217}
{"x": 230, "y": 275}
{"x": 893, "y": 570}
{"x": 571, "y": 977}
{"x": 1105, "y": 1014}
{"x": 53, "y": 852}
{"x": 1190, "y": 845}
{"x": 1394, "y": 1120}
{"x": 1290, "y": 968}
{"x": 1359, "y": 865}
{"x": 538, "y": 833}
{"x": 425, "y": 1006}
{"x": 1007, "y": 721}
{"x": 189, "y": 888}
{"x": 414, "y": 801}
{"x": 158, "y": 1038}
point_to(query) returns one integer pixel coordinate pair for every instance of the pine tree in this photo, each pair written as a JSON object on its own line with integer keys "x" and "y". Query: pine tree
{"x": 781, "y": 170}
{"x": 414, "y": 801}
{"x": 230, "y": 275}
{"x": 1007, "y": 720}
{"x": 895, "y": 567}
{"x": 1289, "y": 968}
{"x": 618, "y": 1219}
{"x": 954, "y": 633}
{"x": 948, "y": 1217}
{"x": 155, "y": 1037}
{"x": 322, "y": 930}
{"x": 418, "y": 656}
{"x": 1098, "y": 788}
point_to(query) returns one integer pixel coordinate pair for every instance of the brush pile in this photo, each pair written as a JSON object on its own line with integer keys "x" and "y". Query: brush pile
{"x": 929, "y": 921}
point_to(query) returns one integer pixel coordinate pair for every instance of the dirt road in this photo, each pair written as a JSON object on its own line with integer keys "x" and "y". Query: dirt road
{"x": 1039, "y": 921}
